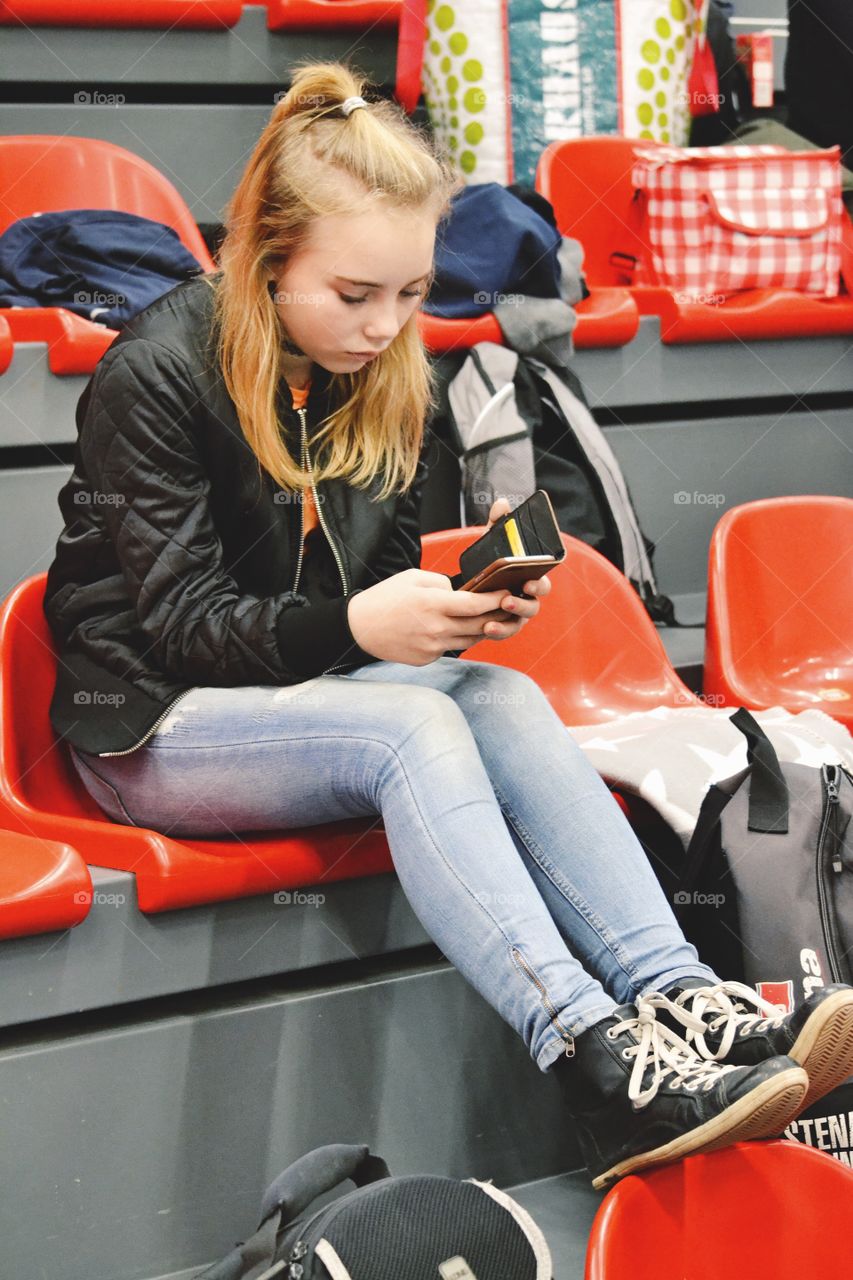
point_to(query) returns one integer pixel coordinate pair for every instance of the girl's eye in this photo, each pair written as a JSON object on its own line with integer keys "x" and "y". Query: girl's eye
{"x": 405, "y": 293}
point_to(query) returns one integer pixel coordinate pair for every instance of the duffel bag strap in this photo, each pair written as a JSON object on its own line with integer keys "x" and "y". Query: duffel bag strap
{"x": 768, "y": 791}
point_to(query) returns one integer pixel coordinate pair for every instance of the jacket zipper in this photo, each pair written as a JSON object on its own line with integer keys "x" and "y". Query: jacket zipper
{"x": 155, "y": 726}
{"x": 306, "y": 466}
{"x": 547, "y": 1002}
{"x": 827, "y": 853}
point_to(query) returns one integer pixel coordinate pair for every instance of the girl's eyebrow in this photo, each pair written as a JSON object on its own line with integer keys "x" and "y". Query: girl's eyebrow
{"x": 371, "y": 284}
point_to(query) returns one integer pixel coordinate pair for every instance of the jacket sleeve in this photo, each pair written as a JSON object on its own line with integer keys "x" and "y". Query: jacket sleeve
{"x": 150, "y": 486}
{"x": 403, "y": 549}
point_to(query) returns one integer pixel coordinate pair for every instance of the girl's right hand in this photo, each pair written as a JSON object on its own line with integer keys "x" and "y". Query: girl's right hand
{"x": 416, "y": 616}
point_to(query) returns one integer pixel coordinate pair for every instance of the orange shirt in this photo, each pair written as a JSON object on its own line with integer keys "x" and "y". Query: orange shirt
{"x": 299, "y": 396}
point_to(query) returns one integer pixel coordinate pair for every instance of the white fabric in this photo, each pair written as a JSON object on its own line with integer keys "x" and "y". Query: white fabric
{"x": 670, "y": 756}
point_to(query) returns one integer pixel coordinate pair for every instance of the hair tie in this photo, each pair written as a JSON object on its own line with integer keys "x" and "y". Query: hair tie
{"x": 352, "y": 104}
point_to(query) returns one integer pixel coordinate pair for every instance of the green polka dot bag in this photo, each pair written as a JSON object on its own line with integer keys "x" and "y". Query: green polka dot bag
{"x": 501, "y": 81}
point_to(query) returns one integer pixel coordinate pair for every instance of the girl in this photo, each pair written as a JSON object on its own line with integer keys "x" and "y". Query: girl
{"x": 247, "y": 641}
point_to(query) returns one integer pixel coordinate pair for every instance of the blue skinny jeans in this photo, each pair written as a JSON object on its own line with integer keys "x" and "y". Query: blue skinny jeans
{"x": 508, "y": 845}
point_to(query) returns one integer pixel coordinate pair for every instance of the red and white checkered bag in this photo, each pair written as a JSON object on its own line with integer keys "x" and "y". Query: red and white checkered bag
{"x": 721, "y": 219}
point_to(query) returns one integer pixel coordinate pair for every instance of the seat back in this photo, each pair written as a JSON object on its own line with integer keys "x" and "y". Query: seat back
{"x": 588, "y": 182}
{"x": 43, "y": 174}
{"x": 34, "y": 767}
{"x": 766, "y": 1210}
{"x": 593, "y": 649}
{"x": 780, "y": 589}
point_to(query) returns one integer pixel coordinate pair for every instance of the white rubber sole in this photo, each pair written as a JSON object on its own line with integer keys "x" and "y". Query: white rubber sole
{"x": 824, "y": 1047}
{"x": 764, "y": 1112}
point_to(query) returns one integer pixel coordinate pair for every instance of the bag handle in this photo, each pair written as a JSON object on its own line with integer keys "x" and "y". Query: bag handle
{"x": 302, "y": 1182}
{"x": 768, "y": 791}
{"x": 317, "y": 1172}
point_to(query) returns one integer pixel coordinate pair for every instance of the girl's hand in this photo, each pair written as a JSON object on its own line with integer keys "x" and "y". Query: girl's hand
{"x": 416, "y": 616}
{"x": 497, "y": 627}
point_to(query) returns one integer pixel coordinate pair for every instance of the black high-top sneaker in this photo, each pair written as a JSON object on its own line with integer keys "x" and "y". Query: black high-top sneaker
{"x": 641, "y": 1097}
{"x": 740, "y": 1027}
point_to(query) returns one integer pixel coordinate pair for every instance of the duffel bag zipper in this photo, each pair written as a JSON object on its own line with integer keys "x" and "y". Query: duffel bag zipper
{"x": 829, "y": 858}
{"x": 547, "y": 1002}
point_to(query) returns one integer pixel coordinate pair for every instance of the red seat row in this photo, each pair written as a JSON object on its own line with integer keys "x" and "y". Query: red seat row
{"x": 778, "y": 628}
{"x": 200, "y": 15}
{"x": 594, "y": 651}
{"x": 43, "y": 173}
{"x": 588, "y": 182}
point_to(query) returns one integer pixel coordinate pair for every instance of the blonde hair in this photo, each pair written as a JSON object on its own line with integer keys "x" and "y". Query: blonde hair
{"x": 293, "y": 177}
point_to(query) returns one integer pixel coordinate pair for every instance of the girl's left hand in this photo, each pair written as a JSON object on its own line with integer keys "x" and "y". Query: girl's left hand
{"x": 514, "y": 612}
{"x": 497, "y": 628}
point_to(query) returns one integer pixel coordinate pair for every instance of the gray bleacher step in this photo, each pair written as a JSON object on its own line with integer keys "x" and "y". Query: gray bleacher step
{"x": 564, "y": 1207}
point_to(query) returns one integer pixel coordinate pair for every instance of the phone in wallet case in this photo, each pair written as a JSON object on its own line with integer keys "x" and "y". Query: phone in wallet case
{"x": 523, "y": 544}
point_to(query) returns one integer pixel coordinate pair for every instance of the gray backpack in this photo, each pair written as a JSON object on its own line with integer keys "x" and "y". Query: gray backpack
{"x": 766, "y": 894}
{"x": 519, "y": 425}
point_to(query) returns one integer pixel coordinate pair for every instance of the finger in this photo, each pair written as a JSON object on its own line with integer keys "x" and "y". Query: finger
{"x": 500, "y": 507}
{"x": 503, "y": 630}
{"x": 538, "y": 586}
{"x": 520, "y": 608}
{"x": 472, "y": 603}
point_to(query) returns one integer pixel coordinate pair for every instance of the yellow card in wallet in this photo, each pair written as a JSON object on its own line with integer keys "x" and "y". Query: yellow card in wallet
{"x": 514, "y": 538}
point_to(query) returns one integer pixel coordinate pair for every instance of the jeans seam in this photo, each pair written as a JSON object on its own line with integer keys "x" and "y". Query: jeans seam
{"x": 575, "y": 901}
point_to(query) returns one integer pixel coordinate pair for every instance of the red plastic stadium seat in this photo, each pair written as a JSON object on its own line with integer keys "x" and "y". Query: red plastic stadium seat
{"x": 41, "y": 794}
{"x": 333, "y": 13}
{"x": 779, "y": 629}
{"x": 594, "y": 650}
{"x": 764, "y": 1210}
{"x": 588, "y": 181}
{"x": 608, "y": 318}
{"x": 408, "y": 16}
{"x": 6, "y": 344}
{"x": 44, "y": 885}
{"x": 198, "y": 14}
{"x": 43, "y": 174}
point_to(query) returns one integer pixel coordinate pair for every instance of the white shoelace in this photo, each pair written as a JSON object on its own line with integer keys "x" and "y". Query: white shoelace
{"x": 721, "y": 1005}
{"x": 669, "y": 1054}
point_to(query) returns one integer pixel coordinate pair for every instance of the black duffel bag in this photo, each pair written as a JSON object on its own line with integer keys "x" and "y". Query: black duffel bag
{"x": 420, "y": 1227}
{"x": 765, "y": 893}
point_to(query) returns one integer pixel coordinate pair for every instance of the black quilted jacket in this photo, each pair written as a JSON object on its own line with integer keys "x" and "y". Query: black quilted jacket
{"x": 177, "y": 566}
